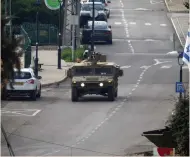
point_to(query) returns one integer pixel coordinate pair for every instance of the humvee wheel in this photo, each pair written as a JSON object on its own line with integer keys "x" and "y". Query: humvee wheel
{"x": 111, "y": 94}
{"x": 74, "y": 94}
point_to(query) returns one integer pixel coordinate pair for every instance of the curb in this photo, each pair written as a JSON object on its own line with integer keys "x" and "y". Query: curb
{"x": 167, "y": 6}
{"x": 174, "y": 26}
{"x": 56, "y": 82}
{"x": 169, "y": 10}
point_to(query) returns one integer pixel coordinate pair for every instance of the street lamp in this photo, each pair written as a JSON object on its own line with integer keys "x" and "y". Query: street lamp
{"x": 59, "y": 38}
{"x": 181, "y": 63}
{"x": 37, "y": 37}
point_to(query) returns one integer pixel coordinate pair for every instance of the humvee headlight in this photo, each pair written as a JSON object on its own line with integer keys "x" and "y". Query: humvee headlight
{"x": 101, "y": 84}
{"x": 82, "y": 84}
{"x": 109, "y": 81}
{"x": 74, "y": 81}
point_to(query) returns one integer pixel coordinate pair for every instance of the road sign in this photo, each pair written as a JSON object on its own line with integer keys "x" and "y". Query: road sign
{"x": 179, "y": 87}
{"x": 53, "y": 4}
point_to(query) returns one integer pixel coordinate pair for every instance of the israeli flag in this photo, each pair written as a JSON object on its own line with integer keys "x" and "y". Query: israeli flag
{"x": 186, "y": 53}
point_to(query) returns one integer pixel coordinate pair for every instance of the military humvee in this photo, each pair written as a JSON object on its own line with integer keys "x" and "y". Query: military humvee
{"x": 100, "y": 78}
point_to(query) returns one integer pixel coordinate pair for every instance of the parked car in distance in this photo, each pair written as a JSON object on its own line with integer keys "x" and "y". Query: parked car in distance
{"x": 105, "y": 4}
{"x": 86, "y": 11}
{"x": 102, "y": 32}
{"x": 25, "y": 84}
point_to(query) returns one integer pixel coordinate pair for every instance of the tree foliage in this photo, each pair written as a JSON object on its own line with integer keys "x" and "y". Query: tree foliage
{"x": 179, "y": 124}
{"x": 26, "y": 11}
{"x": 10, "y": 56}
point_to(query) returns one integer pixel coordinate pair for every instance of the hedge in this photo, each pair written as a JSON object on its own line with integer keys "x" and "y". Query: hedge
{"x": 67, "y": 54}
{"x": 179, "y": 125}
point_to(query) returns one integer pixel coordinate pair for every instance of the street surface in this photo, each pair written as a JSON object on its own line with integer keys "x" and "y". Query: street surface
{"x": 94, "y": 126}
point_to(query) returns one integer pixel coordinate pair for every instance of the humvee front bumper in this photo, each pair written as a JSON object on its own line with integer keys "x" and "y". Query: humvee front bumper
{"x": 92, "y": 88}
{"x": 87, "y": 85}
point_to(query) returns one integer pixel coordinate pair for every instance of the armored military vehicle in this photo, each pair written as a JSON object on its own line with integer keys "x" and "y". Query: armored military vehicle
{"x": 94, "y": 76}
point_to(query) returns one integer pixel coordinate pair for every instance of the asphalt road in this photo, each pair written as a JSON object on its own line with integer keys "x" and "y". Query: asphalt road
{"x": 52, "y": 125}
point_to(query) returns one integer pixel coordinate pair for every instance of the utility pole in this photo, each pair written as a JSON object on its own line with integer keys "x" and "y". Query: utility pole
{"x": 73, "y": 30}
{"x": 60, "y": 36}
{"x": 37, "y": 37}
{"x": 10, "y": 14}
{"x": 92, "y": 34}
{"x": 174, "y": 41}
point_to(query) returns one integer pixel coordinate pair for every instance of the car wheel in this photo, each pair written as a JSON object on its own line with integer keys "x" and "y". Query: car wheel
{"x": 74, "y": 94}
{"x": 4, "y": 94}
{"x": 109, "y": 42}
{"x": 83, "y": 41}
{"x": 33, "y": 95}
{"x": 111, "y": 94}
{"x": 39, "y": 93}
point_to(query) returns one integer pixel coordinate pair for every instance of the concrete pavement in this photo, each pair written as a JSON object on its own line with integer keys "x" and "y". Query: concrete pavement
{"x": 93, "y": 126}
{"x": 50, "y": 73}
{"x": 179, "y": 17}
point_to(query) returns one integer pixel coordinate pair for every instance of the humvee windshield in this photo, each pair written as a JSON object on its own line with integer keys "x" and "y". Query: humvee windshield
{"x": 82, "y": 71}
{"x": 103, "y": 71}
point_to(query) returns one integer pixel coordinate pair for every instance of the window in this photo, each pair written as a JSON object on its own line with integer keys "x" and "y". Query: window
{"x": 101, "y": 26}
{"x": 83, "y": 71}
{"x": 22, "y": 75}
{"x": 88, "y": 7}
{"x": 103, "y": 1}
{"x": 103, "y": 71}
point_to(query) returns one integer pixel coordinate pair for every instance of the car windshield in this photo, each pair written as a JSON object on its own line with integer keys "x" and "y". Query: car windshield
{"x": 88, "y": 7}
{"x": 103, "y": 71}
{"x": 22, "y": 75}
{"x": 99, "y": 26}
{"x": 83, "y": 71}
{"x": 103, "y": 1}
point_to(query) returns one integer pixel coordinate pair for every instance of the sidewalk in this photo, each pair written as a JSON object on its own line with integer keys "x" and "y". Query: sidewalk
{"x": 179, "y": 18}
{"x": 50, "y": 74}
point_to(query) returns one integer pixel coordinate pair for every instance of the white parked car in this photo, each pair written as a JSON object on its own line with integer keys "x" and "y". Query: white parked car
{"x": 105, "y": 4}
{"x": 25, "y": 84}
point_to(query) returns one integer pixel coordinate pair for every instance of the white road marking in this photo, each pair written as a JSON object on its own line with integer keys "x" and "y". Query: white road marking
{"x": 145, "y": 67}
{"x": 125, "y": 67}
{"x": 141, "y": 9}
{"x": 133, "y": 89}
{"x": 141, "y": 54}
{"x": 35, "y": 113}
{"x": 148, "y": 24}
{"x": 132, "y": 23}
{"x": 149, "y": 40}
{"x": 159, "y": 62}
{"x": 117, "y": 23}
{"x": 50, "y": 153}
{"x": 166, "y": 66}
{"x": 20, "y": 112}
{"x": 185, "y": 67}
{"x": 155, "y": 2}
{"x": 163, "y": 24}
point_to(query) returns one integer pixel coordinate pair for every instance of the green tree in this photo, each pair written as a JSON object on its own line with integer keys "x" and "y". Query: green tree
{"x": 26, "y": 11}
{"x": 10, "y": 56}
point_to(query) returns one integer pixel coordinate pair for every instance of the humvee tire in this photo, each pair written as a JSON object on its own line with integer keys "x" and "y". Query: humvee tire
{"x": 74, "y": 94}
{"x": 111, "y": 94}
